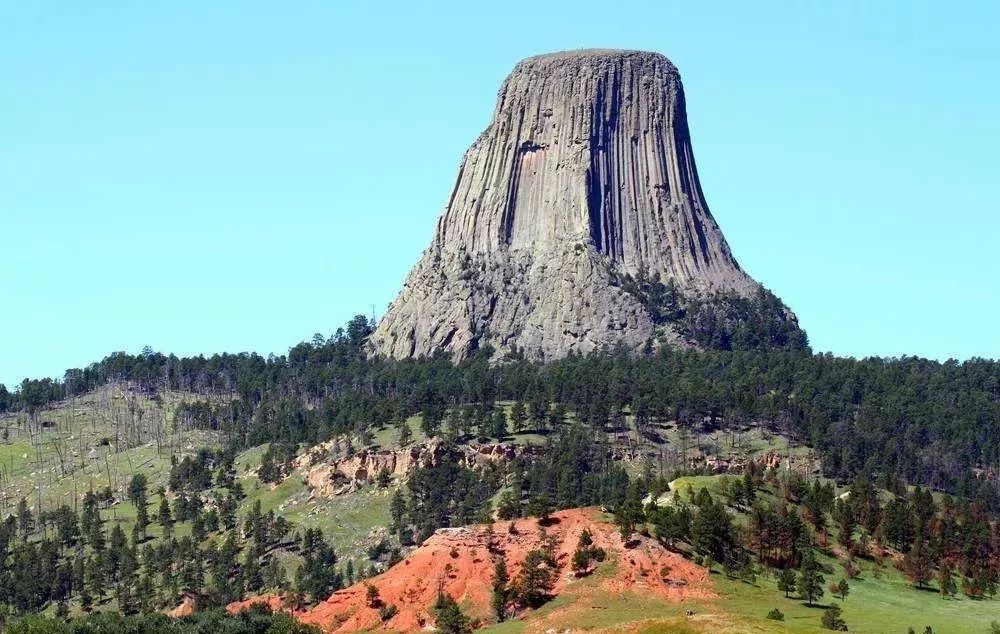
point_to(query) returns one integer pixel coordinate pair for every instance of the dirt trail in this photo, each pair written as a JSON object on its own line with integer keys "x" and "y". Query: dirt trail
{"x": 460, "y": 561}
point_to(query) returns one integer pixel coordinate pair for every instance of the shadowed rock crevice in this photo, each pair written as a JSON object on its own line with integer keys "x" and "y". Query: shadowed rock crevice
{"x": 585, "y": 176}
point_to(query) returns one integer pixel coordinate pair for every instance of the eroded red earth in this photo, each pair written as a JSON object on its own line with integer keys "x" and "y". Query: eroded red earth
{"x": 460, "y": 561}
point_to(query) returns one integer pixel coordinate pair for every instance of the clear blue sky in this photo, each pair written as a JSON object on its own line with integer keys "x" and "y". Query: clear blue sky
{"x": 227, "y": 176}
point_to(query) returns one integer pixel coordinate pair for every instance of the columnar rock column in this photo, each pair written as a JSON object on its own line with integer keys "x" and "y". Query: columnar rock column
{"x": 584, "y": 175}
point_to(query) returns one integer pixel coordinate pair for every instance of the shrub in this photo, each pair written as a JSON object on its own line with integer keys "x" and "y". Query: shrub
{"x": 831, "y": 619}
{"x": 851, "y": 570}
{"x": 371, "y": 596}
{"x": 386, "y": 612}
{"x": 776, "y": 615}
{"x": 375, "y": 551}
{"x": 586, "y": 553}
{"x": 450, "y": 618}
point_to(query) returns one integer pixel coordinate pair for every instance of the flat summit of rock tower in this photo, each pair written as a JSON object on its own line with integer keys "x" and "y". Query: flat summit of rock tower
{"x": 577, "y": 222}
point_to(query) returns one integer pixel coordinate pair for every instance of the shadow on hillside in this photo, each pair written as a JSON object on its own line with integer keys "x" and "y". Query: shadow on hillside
{"x": 817, "y": 606}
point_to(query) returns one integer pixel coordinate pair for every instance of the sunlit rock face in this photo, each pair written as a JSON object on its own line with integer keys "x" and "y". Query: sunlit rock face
{"x": 585, "y": 178}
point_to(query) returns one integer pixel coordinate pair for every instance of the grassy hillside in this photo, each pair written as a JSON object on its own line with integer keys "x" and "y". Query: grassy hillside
{"x": 102, "y": 438}
{"x": 881, "y": 600}
{"x": 884, "y": 606}
{"x": 351, "y": 521}
{"x": 887, "y": 603}
{"x": 90, "y": 442}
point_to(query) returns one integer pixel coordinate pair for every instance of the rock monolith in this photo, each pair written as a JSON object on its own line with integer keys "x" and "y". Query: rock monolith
{"x": 577, "y": 222}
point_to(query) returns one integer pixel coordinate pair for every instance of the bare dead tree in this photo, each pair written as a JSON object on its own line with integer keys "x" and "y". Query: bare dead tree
{"x": 60, "y": 451}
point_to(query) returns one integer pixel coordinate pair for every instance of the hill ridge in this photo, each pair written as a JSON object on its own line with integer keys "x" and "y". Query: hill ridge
{"x": 460, "y": 562}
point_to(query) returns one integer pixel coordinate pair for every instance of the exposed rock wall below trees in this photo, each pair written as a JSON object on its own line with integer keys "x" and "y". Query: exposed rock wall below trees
{"x": 327, "y": 476}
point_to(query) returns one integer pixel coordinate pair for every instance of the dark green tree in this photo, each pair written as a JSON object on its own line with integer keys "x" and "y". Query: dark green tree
{"x": 405, "y": 434}
{"x": 540, "y": 506}
{"x": 448, "y": 617}
{"x": 137, "y": 488}
{"x": 25, "y": 519}
{"x": 840, "y": 589}
{"x": 501, "y": 591}
{"x": 499, "y": 425}
{"x": 917, "y": 564}
{"x": 946, "y": 580}
{"x": 786, "y": 581}
{"x": 810, "y": 581}
{"x": 534, "y": 582}
{"x": 165, "y": 517}
{"x": 397, "y": 510}
{"x": 518, "y": 416}
{"x": 832, "y": 620}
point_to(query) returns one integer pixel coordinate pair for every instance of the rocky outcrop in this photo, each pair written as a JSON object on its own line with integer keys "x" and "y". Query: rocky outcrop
{"x": 584, "y": 180}
{"x": 334, "y": 477}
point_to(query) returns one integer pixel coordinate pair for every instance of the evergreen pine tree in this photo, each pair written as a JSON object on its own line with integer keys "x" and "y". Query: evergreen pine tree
{"x": 500, "y": 590}
{"x": 164, "y": 515}
{"x": 25, "y": 520}
{"x": 499, "y": 425}
{"x": 405, "y": 434}
{"x": 917, "y": 564}
{"x": 448, "y": 617}
{"x": 786, "y": 581}
{"x": 397, "y": 510}
{"x": 832, "y": 620}
{"x": 946, "y": 580}
{"x": 810, "y": 580}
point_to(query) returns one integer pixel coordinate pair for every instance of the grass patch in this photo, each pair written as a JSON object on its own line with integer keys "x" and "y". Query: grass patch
{"x": 874, "y": 606}
{"x": 92, "y": 441}
{"x": 347, "y": 520}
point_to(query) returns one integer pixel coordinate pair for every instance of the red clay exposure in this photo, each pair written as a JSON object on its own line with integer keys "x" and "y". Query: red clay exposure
{"x": 460, "y": 562}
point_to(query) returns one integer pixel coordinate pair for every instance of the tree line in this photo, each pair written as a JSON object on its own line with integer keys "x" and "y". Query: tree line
{"x": 926, "y": 422}
{"x": 255, "y": 620}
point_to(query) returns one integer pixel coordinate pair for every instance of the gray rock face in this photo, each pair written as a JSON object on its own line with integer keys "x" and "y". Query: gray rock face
{"x": 584, "y": 176}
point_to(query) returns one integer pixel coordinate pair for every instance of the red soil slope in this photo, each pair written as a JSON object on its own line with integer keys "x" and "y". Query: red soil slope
{"x": 186, "y": 607}
{"x": 460, "y": 561}
{"x": 273, "y": 601}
